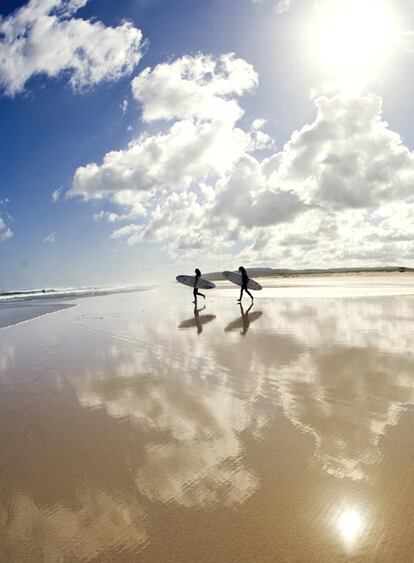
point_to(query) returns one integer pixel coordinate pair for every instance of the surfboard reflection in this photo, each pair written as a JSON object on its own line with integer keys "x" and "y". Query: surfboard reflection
{"x": 244, "y": 321}
{"x": 198, "y": 320}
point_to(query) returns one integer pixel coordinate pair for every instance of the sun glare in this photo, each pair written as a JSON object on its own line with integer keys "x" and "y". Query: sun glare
{"x": 351, "y": 37}
{"x": 350, "y": 525}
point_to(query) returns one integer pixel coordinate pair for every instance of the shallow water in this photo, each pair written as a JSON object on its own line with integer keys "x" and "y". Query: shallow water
{"x": 15, "y": 313}
{"x": 134, "y": 429}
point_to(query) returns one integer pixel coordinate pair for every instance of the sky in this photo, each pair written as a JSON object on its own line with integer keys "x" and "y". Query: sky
{"x": 142, "y": 138}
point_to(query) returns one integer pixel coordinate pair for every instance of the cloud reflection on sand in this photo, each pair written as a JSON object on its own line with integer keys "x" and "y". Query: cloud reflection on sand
{"x": 100, "y": 523}
{"x": 127, "y": 413}
{"x": 341, "y": 370}
{"x": 193, "y": 451}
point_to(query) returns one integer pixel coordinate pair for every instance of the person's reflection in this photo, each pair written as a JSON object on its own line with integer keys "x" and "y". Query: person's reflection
{"x": 198, "y": 320}
{"x": 244, "y": 321}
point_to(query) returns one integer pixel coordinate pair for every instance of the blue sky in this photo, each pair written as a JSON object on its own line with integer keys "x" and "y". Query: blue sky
{"x": 267, "y": 199}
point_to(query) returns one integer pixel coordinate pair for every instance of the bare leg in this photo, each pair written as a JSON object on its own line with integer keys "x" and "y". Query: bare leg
{"x": 241, "y": 296}
{"x": 249, "y": 294}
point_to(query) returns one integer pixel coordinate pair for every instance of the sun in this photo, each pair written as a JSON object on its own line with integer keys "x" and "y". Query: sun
{"x": 351, "y": 37}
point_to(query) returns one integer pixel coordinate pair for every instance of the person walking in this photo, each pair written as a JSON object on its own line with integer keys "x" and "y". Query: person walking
{"x": 245, "y": 281}
{"x": 195, "y": 290}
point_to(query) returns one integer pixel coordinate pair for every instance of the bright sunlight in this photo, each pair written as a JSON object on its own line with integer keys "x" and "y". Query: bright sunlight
{"x": 350, "y": 37}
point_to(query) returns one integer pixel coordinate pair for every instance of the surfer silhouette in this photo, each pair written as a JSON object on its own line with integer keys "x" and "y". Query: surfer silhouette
{"x": 243, "y": 323}
{"x": 245, "y": 318}
{"x": 195, "y": 290}
{"x": 197, "y": 318}
{"x": 245, "y": 281}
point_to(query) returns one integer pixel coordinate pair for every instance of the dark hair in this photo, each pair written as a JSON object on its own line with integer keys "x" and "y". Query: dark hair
{"x": 242, "y": 270}
{"x": 197, "y": 271}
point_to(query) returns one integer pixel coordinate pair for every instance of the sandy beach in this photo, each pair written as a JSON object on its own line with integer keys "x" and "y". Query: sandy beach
{"x": 137, "y": 429}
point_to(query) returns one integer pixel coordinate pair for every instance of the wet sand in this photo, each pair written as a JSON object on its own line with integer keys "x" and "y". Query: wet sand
{"x": 133, "y": 429}
{"x": 19, "y": 312}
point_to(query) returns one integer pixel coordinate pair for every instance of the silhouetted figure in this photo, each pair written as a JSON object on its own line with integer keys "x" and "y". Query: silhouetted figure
{"x": 245, "y": 318}
{"x": 195, "y": 290}
{"x": 244, "y": 322}
{"x": 197, "y": 320}
{"x": 245, "y": 281}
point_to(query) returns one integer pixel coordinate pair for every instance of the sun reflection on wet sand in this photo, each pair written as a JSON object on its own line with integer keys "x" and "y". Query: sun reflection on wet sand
{"x": 350, "y": 525}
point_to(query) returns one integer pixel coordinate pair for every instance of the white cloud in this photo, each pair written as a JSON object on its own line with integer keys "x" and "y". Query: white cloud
{"x": 283, "y": 6}
{"x": 44, "y": 37}
{"x": 200, "y": 87}
{"x": 51, "y": 237}
{"x": 174, "y": 213}
{"x": 260, "y": 140}
{"x": 56, "y": 195}
{"x": 198, "y": 93}
{"x": 185, "y": 153}
{"x": 344, "y": 178}
{"x": 347, "y": 158}
{"x": 124, "y": 106}
{"x": 5, "y": 232}
{"x": 5, "y": 219}
{"x": 112, "y": 217}
{"x": 258, "y": 124}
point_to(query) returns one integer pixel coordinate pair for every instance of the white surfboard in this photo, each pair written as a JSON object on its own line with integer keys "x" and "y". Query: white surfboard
{"x": 189, "y": 280}
{"x": 236, "y": 278}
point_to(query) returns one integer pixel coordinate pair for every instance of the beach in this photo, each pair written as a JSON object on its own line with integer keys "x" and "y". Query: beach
{"x": 135, "y": 428}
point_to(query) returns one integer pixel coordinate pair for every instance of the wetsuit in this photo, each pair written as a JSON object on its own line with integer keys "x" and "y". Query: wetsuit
{"x": 195, "y": 290}
{"x": 245, "y": 281}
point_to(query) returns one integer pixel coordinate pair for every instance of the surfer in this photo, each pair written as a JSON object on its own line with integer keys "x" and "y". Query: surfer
{"x": 245, "y": 281}
{"x": 195, "y": 290}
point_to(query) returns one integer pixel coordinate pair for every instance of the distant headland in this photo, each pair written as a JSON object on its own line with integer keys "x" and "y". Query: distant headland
{"x": 285, "y": 272}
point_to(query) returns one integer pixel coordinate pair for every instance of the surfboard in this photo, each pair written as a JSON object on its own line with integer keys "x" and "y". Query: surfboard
{"x": 236, "y": 278}
{"x": 239, "y": 323}
{"x": 189, "y": 280}
{"x": 201, "y": 320}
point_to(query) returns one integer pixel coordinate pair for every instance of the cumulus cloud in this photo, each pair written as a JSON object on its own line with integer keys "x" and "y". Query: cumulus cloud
{"x": 336, "y": 180}
{"x": 175, "y": 211}
{"x": 200, "y": 87}
{"x": 196, "y": 93}
{"x": 348, "y": 157}
{"x": 88, "y": 51}
{"x": 187, "y": 152}
{"x": 342, "y": 178}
